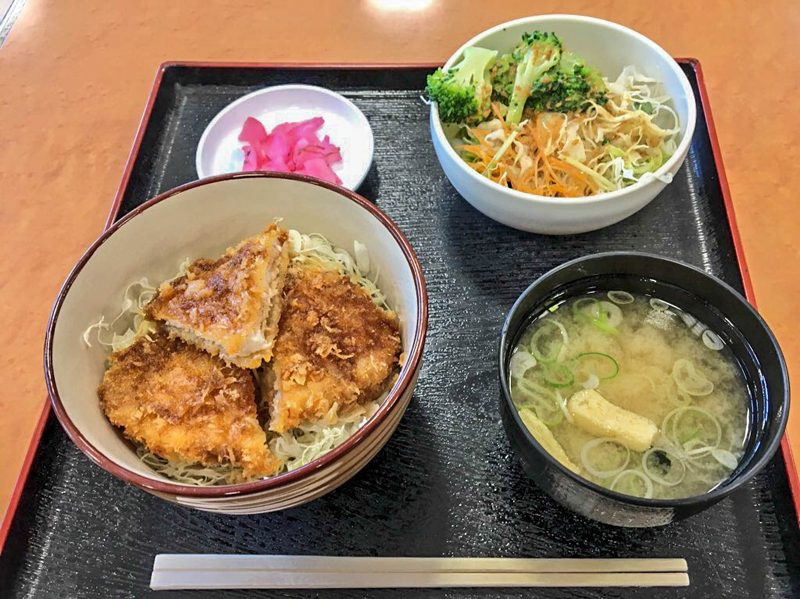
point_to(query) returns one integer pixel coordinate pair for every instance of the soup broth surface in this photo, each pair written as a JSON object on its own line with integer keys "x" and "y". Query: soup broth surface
{"x": 661, "y": 376}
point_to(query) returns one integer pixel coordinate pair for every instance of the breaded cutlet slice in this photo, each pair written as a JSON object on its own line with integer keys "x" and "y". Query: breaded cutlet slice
{"x": 184, "y": 404}
{"x": 335, "y": 348}
{"x": 229, "y": 306}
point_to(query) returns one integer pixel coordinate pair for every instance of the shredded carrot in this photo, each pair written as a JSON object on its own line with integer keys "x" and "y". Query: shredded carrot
{"x": 544, "y": 175}
{"x": 546, "y": 146}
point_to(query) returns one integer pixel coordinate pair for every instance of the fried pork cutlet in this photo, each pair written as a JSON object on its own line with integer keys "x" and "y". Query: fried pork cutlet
{"x": 335, "y": 348}
{"x": 230, "y": 306}
{"x": 184, "y": 404}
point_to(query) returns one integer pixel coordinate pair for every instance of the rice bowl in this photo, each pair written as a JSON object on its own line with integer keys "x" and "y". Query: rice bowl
{"x": 110, "y": 265}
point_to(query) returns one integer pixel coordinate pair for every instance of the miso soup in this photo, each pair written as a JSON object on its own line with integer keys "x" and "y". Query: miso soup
{"x": 631, "y": 393}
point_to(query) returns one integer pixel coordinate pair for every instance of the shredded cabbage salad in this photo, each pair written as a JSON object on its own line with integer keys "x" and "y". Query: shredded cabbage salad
{"x": 604, "y": 148}
{"x": 294, "y": 448}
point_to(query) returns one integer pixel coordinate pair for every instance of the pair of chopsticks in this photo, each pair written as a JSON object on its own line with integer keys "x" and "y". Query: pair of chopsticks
{"x": 199, "y": 571}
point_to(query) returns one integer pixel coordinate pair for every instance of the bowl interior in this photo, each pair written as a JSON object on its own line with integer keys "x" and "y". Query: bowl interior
{"x": 202, "y": 221}
{"x": 714, "y": 304}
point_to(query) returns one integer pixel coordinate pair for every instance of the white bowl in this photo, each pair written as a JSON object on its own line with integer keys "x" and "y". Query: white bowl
{"x": 610, "y": 48}
{"x": 201, "y": 219}
{"x": 220, "y": 150}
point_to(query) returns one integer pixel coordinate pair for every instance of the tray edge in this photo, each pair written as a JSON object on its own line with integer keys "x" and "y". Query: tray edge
{"x": 792, "y": 473}
{"x": 791, "y": 466}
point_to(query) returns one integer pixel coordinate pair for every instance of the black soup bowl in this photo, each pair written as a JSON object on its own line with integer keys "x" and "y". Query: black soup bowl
{"x": 714, "y": 304}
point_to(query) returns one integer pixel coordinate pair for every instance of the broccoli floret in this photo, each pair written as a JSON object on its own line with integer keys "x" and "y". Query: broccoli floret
{"x": 538, "y": 53}
{"x": 569, "y": 87}
{"x": 464, "y": 92}
{"x": 502, "y": 74}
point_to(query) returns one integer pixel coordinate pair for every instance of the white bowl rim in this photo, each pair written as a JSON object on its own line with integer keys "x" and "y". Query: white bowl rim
{"x": 683, "y": 146}
{"x": 360, "y": 116}
{"x": 407, "y": 373}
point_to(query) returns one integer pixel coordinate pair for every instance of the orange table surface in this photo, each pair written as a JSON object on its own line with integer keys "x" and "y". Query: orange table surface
{"x": 74, "y": 77}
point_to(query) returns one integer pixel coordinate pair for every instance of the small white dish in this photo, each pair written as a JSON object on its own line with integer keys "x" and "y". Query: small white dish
{"x": 220, "y": 151}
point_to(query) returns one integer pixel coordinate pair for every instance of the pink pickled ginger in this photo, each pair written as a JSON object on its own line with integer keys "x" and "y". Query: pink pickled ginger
{"x": 290, "y": 148}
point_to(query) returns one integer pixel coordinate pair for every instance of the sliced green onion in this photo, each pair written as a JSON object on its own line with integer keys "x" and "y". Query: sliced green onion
{"x": 712, "y": 341}
{"x": 648, "y": 484}
{"x": 725, "y": 457}
{"x": 589, "y": 446}
{"x": 689, "y": 380}
{"x": 562, "y": 403}
{"x": 602, "y": 365}
{"x": 671, "y": 424}
{"x": 558, "y": 350}
{"x": 658, "y": 304}
{"x": 610, "y": 313}
{"x": 558, "y": 375}
{"x": 696, "y": 448}
{"x": 699, "y": 456}
{"x": 521, "y": 361}
{"x": 652, "y": 455}
{"x": 620, "y": 297}
{"x": 580, "y": 307}
{"x": 541, "y": 400}
{"x": 605, "y": 327}
{"x": 603, "y": 315}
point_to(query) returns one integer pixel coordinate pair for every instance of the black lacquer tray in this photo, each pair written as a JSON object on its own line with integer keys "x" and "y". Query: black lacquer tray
{"x": 447, "y": 483}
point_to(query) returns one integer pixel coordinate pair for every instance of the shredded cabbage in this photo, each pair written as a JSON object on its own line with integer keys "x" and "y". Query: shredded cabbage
{"x": 604, "y": 148}
{"x": 189, "y": 473}
{"x": 316, "y": 250}
{"x": 310, "y": 440}
{"x": 131, "y": 317}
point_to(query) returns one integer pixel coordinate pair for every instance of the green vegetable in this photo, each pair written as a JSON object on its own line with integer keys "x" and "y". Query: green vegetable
{"x": 592, "y": 311}
{"x": 535, "y": 75}
{"x": 536, "y": 55}
{"x": 558, "y": 375}
{"x": 572, "y": 86}
{"x": 500, "y": 152}
{"x": 548, "y": 344}
{"x": 463, "y": 92}
{"x": 601, "y": 365}
{"x": 543, "y": 401}
{"x": 650, "y": 165}
{"x": 502, "y": 74}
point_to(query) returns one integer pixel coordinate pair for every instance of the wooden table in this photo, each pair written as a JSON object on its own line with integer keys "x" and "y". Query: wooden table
{"x": 74, "y": 77}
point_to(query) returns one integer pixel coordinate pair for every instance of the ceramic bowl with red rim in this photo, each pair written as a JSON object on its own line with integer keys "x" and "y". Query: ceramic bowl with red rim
{"x": 201, "y": 219}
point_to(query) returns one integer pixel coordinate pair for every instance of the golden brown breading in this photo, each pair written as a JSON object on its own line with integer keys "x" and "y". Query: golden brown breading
{"x": 230, "y": 306}
{"x": 334, "y": 348}
{"x": 184, "y": 404}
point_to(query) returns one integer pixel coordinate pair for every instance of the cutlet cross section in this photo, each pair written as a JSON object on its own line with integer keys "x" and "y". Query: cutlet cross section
{"x": 231, "y": 306}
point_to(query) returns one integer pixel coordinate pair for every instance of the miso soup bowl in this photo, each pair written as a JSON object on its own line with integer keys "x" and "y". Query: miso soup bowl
{"x": 713, "y": 303}
{"x": 201, "y": 219}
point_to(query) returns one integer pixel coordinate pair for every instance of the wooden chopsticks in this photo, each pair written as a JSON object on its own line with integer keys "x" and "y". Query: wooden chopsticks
{"x": 202, "y": 571}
